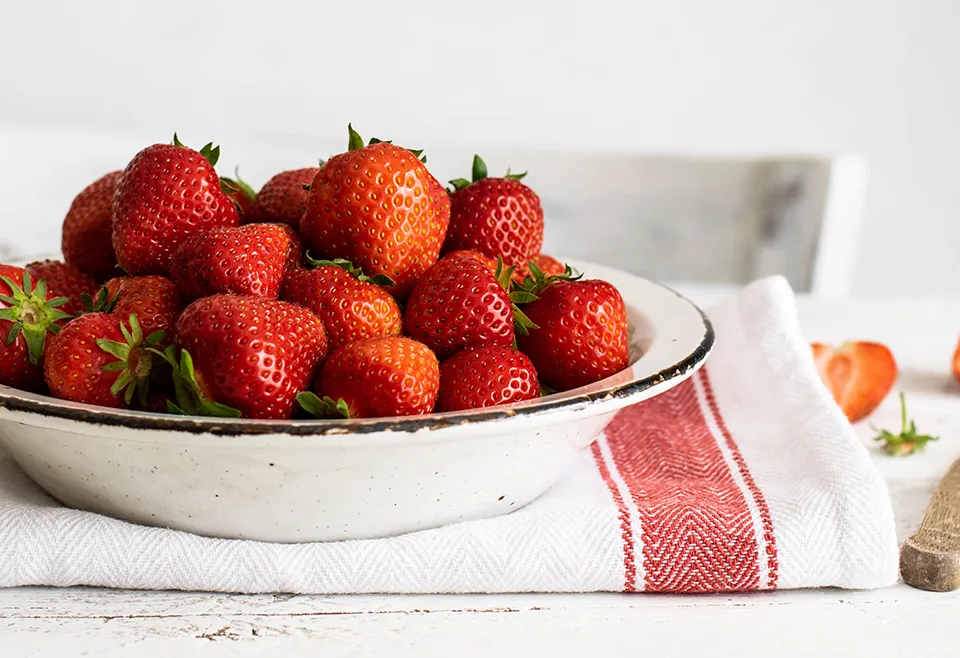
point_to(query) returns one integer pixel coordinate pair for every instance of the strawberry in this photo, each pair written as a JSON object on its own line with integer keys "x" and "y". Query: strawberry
{"x": 296, "y": 256}
{"x": 167, "y": 194}
{"x": 242, "y": 195}
{"x": 459, "y": 303}
{"x": 96, "y": 356}
{"x": 495, "y": 216}
{"x": 242, "y": 260}
{"x": 27, "y": 314}
{"x": 956, "y": 363}
{"x": 378, "y": 207}
{"x": 251, "y": 353}
{"x": 389, "y": 376}
{"x": 486, "y": 376}
{"x": 154, "y": 298}
{"x": 283, "y": 198}
{"x": 352, "y": 306}
{"x": 64, "y": 281}
{"x": 859, "y": 375}
{"x": 582, "y": 334}
{"x": 86, "y": 236}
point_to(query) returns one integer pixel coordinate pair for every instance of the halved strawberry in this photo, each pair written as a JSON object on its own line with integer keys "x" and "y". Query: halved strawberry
{"x": 859, "y": 375}
{"x": 956, "y": 363}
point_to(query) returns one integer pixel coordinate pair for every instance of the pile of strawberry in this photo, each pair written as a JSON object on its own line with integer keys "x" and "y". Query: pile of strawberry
{"x": 360, "y": 288}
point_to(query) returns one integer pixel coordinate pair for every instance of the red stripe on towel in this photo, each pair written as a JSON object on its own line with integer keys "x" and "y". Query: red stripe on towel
{"x": 697, "y": 533}
{"x": 769, "y": 539}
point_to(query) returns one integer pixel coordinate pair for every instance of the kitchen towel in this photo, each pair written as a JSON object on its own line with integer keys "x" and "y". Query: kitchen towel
{"x": 745, "y": 477}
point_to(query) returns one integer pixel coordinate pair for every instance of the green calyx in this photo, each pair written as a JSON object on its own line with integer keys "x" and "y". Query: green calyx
{"x": 209, "y": 151}
{"x": 479, "y": 173}
{"x": 355, "y": 142}
{"x": 103, "y": 303}
{"x": 31, "y": 314}
{"x": 536, "y": 282}
{"x": 325, "y": 407}
{"x": 134, "y": 360}
{"x": 521, "y": 323}
{"x": 908, "y": 441}
{"x": 236, "y": 185}
{"x": 353, "y": 270}
{"x": 190, "y": 399}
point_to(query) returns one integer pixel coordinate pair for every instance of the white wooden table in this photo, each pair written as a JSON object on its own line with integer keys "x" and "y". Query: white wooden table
{"x": 898, "y": 621}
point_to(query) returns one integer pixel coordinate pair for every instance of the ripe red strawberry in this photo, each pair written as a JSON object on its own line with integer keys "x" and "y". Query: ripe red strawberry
{"x": 242, "y": 260}
{"x": 251, "y": 353}
{"x": 296, "y": 257}
{"x": 495, "y": 216}
{"x": 283, "y": 198}
{"x": 64, "y": 281}
{"x": 27, "y": 315}
{"x": 859, "y": 375}
{"x": 167, "y": 194}
{"x": 155, "y": 299}
{"x": 582, "y": 335}
{"x": 378, "y": 207}
{"x": 956, "y": 363}
{"x": 86, "y": 236}
{"x": 242, "y": 195}
{"x": 486, "y": 376}
{"x": 459, "y": 303}
{"x": 96, "y": 357}
{"x": 352, "y": 306}
{"x": 390, "y": 376}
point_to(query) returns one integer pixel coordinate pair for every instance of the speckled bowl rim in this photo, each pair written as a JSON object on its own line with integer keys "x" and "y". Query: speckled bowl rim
{"x": 613, "y": 395}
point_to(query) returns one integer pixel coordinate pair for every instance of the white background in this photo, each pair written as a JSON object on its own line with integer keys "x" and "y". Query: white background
{"x": 878, "y": 77}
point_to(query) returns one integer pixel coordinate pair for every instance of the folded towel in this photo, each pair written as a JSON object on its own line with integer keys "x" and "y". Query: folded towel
{"x": 745, "y": 477}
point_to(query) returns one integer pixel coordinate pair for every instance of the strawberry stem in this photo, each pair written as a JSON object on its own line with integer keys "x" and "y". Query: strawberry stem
{"x": 31, "y": 314}
{"x": 134, "y": 361}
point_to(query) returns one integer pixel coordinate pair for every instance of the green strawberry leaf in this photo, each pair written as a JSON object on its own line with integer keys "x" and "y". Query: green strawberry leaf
{"x": 354, "y": 141}
{"x": 102, "y": 304}
{"x": 479, "y": 168}
{"x": 324, "y": 407}
{"x": 190, "y": 399}
{"x": 459, "y": 184}
{"x": 350, "y": 268}
{"x": 512, "y": 176}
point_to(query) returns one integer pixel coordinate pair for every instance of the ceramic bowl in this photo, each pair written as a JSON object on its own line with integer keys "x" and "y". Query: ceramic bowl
{"x": 324, "y": 480}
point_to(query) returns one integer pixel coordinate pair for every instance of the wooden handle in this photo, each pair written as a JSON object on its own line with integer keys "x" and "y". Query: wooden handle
{"x": 930, "y": 558}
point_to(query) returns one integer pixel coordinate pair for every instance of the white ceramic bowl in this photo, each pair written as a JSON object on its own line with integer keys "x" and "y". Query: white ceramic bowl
{"x": 319, "y": 480}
